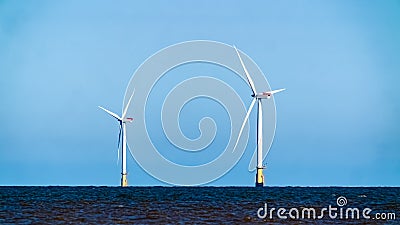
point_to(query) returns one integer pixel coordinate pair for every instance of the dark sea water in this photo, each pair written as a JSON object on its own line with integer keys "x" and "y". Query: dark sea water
{"x": 194, "y": 205}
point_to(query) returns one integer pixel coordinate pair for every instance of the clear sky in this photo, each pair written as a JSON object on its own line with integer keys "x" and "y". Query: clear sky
{"x": 337, "y": 123}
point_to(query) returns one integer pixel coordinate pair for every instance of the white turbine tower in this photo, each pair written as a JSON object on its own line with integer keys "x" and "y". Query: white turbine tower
{"x": 122, "y": 129}
{"x": 256, "y": 97}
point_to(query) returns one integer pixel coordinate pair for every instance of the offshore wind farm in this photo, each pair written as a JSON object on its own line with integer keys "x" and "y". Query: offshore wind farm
{"x": 207, "y": 121}
{"x": 257, "y": 96}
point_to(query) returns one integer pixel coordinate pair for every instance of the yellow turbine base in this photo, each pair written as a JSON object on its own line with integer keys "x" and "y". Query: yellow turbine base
{"x": 124, "y": 181}
{"x": 259, "y": 178}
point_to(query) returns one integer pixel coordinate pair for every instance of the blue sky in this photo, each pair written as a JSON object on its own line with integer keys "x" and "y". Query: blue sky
{"x": 337, "y": 123}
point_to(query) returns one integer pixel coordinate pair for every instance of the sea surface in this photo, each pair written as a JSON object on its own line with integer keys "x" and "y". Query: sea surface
{"x": 198, "y": 205}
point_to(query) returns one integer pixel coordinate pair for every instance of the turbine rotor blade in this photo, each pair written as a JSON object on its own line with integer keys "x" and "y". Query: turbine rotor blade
{"x": 276, "y": 91}
{"x": 253, "y": 162}
{"x": 119, "y": 140}
{"x": 111, "y": 113}
{"x": 251, "y": 83}
{"x": 119, "y": 136}
{"x": 127, "y": 105}
{"x": 244, "y": 122}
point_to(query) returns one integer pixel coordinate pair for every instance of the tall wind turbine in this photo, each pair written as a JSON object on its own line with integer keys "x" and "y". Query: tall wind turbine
{"x": 257, "y": 96}
{"x": 122, "y": 129}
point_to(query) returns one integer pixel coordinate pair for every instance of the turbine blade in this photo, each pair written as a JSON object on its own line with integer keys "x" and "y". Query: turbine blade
{"x": 119, "y": 141}
{"x": 276, "y": 91}
{"x": 127, "y": 105}
{"x": 111, "y": 113}
{"x": 119, "y": 136}
{"x": 251, "y": 83}
{"x": 253, "y": 162}
{"x": 117, "y": 156}
{"x": 244, "y": 122}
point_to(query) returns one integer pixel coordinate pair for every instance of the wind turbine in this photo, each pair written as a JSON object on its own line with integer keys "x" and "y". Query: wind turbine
{"x": 122, "y": 129}
{"x": 257, "y": 96}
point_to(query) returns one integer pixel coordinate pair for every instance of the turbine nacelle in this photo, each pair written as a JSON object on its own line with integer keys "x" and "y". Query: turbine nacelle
{"x": 267, "y": 94}
{"x": 130, "y": 120}
{"x": 262, "y": 95}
